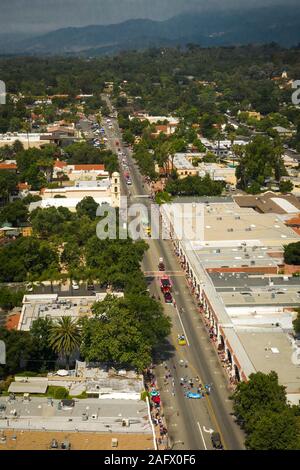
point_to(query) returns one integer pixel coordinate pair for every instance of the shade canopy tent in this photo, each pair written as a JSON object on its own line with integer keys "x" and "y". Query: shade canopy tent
{"x": 28, "y": 387}
{"x": 62, "y": 373}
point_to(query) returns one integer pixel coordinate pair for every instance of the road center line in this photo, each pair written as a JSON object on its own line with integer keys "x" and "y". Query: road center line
{"x": 187, "y": 340}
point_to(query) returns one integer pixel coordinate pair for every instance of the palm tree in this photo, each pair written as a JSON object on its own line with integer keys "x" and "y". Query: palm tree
{"x": 232, "y": 137}
{"x": 27, "y": 129}
{"x": 65, "y": 337}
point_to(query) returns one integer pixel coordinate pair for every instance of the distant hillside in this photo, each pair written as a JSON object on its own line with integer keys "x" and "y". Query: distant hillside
{"x": 261, "y": 25}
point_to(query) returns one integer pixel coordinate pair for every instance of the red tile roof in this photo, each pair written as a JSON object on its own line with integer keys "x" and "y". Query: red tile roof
{"x": 12, "y": 321}
{"x": 23, "y": 186}
{"x": 161, "y": 128}
{"x": 294, "y": 221}
{"x": 59, "y": 164}
{"x": 89, "y": 167}
{"x": 8, "y": 166}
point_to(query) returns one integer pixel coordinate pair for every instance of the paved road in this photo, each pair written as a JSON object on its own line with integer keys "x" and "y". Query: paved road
{"x": 188, "y": 420}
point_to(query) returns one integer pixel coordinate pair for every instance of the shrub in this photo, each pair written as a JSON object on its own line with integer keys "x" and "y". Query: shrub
{"x": 57, "y": 392}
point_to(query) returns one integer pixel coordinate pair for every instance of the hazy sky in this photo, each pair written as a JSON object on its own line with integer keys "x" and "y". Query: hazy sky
{"x": 45, "y": 15}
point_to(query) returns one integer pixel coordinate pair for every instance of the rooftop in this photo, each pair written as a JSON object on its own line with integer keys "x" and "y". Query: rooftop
{"x": 182, "y": 163}
{"x": 273, "y": 351}
{"x": 103, "y": 415}
{"x": 270, "y": 203}
{"x": 53, "y": 306}
{"x": 41, "y": 440}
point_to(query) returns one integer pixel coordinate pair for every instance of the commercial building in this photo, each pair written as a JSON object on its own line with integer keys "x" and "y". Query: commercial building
{"x": 103, "y": 191}
{"x": 233, "y": 268}
{"x": 86, "y": 172}
{"x": 113, "y": 407}
{"x": 182, "y": 165}
{"x": 55, "y": 306}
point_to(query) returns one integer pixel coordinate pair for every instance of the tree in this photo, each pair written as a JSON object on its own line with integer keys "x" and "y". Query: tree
{"x": 195, "y": 186}
{"x": 40, "y": 333}
{"x": 87, "y": 206}
{"x": 65, "y": 337}
{"x": 261, "y": 160}
{"x": 260, "y": 394}
{"x": 128, "y": 136}
{"x": 18, "y": 351}
{"x": 50, "y": 221}
{"x": 8, "y": 183}
{"x": 124, "y": 331}
{"x": 26, "y": 258}
{"x": 286, "y": 186}
{"x": 10, "y": 299}
{"x": 15, "y": 213}
{"x": 275, "y": 431}
{"x": 296, "y": 322}
{"x": 292, "y": 253}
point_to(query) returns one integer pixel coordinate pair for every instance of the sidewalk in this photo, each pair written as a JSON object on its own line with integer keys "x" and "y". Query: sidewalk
{"x": 156, "y": 409}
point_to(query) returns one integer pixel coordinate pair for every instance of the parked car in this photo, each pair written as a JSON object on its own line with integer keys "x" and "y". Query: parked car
{"x": 75, "y": 285}
{"x": 216, "y": 440}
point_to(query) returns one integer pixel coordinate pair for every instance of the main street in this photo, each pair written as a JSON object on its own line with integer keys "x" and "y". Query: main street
{"x": 189, "y": 421}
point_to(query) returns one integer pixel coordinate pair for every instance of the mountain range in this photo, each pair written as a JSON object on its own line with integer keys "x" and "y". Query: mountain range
{"x": 259, "y": 25}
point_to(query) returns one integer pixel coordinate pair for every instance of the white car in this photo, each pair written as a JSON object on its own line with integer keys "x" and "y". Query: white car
{"x": 75, "y": 286}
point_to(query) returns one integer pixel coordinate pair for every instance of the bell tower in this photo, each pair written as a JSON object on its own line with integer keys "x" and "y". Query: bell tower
{"x": 115, "y": 190}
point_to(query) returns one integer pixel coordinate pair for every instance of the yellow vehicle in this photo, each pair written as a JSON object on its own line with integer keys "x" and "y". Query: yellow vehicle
{"x": 148, "y": 230}
{"x": 181, "y": 340}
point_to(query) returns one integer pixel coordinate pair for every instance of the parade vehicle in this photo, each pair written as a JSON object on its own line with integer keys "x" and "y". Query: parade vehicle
{"x": 161, "y": 264}
{"x": 216, "y": 441}
{"x": 181, "y": 340}
{"x": 194, "y": 395}
{"x": 165, "y": 284}
{"x": 168, "y": 298}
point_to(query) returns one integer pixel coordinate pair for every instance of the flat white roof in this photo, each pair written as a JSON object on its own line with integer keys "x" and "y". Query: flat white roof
{"x": 285, "y": 205}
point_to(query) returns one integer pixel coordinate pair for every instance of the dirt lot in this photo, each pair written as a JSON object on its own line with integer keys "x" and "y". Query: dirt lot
{"x": 40, "y": 440}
